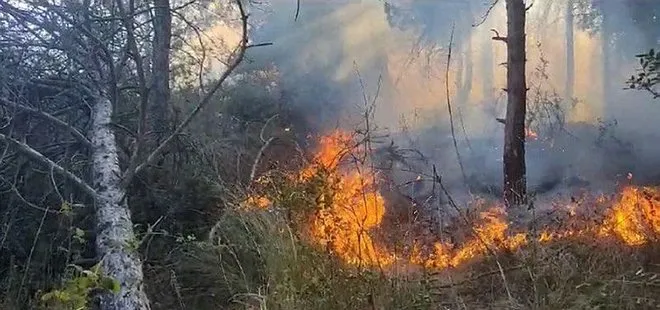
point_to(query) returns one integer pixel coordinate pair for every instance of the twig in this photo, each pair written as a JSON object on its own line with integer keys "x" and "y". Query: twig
{"x": 497, "y": 36}
{"x": 295, "y": 18}
{"x": 485, "y": 16}
{"x": 263, "y": 129}
{"x": 483, "y": 275}
{"x": 451, "y": 116}
{"x": 128, "y": 176}
{"x": 438, "y": 179}
{"x": 34, "y": 246}
{"x": 255, "y": 164}
{"x": 74, "y": 132}
{"x": 40, "y": 158}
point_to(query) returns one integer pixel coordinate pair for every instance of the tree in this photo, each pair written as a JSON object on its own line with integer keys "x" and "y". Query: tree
{"x": 97, "y": 51}
{"x": 159, "y": 113}
{"x": 648, "y": 76}
{"x": 515, "y": 183}
{"x": 570, "y": 50}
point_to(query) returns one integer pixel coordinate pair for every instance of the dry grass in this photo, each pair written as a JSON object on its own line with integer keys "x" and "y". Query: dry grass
{"x": 256, "y": 260}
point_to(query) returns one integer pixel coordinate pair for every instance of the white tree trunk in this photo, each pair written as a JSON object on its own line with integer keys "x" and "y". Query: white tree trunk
{"x": 115, "y": 239}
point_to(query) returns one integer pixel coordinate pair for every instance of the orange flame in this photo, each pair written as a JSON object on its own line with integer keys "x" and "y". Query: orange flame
{"x": 352, "y": 211}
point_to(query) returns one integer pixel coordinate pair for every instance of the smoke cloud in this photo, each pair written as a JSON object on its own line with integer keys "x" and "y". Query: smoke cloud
{"x": 400, "y": 48}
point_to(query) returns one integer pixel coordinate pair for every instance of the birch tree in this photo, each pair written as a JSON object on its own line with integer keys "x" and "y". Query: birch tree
{"x": 100, "y": 51}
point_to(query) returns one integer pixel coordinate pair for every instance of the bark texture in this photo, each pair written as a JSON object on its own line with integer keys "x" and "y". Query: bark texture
{"x": 115, "y": 239}
{"x": 515, "y": 183}
{"x": 607, "y": 34}
{"x": 159, "y": 108}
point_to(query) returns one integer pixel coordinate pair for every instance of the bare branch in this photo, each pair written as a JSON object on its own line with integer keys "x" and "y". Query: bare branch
{"x": 497, "y": 36}
{"x": 142, "y": 81}
{"x": 243, "y": 46}
{"x": 40, "y": 158}
{"x": 77, "y": 134}
{"x": 263, "y": 129}
{"x": 529, "y": 6}
{"x": 451, "y": 116}
{"x": 485, "y": 16}
{"x": 257, "y": 160}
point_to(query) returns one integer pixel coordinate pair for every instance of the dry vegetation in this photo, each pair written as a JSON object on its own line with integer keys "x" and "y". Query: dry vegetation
{"x": 251, "y": 208}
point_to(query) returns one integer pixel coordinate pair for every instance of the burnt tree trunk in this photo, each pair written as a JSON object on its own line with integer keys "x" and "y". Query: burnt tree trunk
{"x": 570, "y": 51}
{"x": 159, "y": 108}
{"x": 515, "y": 183}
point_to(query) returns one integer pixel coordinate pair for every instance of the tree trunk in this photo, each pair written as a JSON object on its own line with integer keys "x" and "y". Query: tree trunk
{"x": 159, "y": 108}
{"x": 515, "y": 183}
{"x": 115, "y": 240}
{"x": 606, "y": 41}
{"x": 466, "y": 81}
{"x": 487, "y": 67}
{"x": 570, "y": 52}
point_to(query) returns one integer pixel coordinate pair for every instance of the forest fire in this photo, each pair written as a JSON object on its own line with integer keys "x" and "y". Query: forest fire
{"x": 351, "y": 210}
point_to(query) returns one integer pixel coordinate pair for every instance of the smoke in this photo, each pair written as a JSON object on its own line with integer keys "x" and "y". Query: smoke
{"x": 400, "y": 50}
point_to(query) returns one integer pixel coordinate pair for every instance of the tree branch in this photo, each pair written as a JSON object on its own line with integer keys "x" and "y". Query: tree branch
{"x": 143, "y": 90}
{"x": 451, "y": 116}
{"x": 128, "y": 176}
{"x": 485, "y": 16}
{"x": 497, "y": 36}
{"x": 77, "y": 134}
{"x": 40, "y": 158}
{"x": 257, "y": 160}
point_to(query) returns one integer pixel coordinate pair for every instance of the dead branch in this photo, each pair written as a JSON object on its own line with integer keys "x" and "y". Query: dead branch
{"x": 295, "y": 18}
{"x": 74, "y": 132}
{"x": 132, "y": 48}
{"x": 243, "y": 46}
{"x": 476, "y": 234}
{"x": 451, "y": 116}
{"x": 257, "y": 160}
{"x": 40, "y": 158}
{"x": 497, "y": 36}
{"x": 485, "y": 16}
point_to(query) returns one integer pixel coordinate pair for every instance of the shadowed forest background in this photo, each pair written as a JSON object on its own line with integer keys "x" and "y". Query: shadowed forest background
{"x": 314, "y": 154}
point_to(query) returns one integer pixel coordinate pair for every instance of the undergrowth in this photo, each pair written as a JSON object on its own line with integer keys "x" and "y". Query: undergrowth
{"x": 260, "y": 258}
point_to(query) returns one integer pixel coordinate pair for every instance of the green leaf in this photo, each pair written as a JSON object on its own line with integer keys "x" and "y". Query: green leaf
{"x": 110, "y": 284}
{"x": 48, "y": 296}
{"x": 79, "y": 232}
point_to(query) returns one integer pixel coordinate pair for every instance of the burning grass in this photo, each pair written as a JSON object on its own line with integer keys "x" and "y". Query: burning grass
{"x": 343, "y": 215}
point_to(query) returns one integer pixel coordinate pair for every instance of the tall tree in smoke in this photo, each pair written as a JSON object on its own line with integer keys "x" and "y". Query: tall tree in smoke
{"x": 515, "y": 182}
{"x": 570, "y": 50}
{"x": 159, "y": 99}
